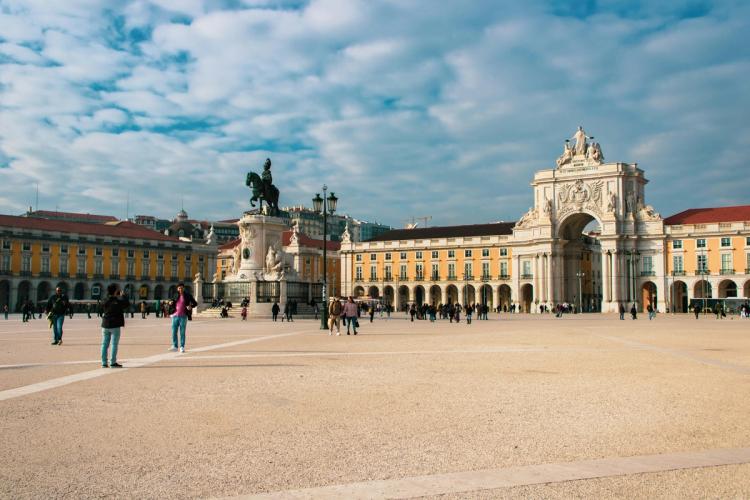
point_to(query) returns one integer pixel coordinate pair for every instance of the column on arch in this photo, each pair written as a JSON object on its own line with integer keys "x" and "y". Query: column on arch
{"x": 444, "y": 294}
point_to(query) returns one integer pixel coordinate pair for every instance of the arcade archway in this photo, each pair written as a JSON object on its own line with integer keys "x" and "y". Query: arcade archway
{"x": 580, "y": 259}
{"x": 504, "y": 297}
{"x": 435, "y": 295}
{"x": 527, "y": 297}
{"x": 452, "y": 293}
{"x": 679, "y": 297}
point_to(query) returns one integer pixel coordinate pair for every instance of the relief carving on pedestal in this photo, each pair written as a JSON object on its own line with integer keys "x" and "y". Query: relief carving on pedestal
{"x": 580, "y": 195}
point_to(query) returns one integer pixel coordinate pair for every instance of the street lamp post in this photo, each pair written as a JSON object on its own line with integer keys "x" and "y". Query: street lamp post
{"x": 580, "y": 275}
{"x": 325, "y": 205}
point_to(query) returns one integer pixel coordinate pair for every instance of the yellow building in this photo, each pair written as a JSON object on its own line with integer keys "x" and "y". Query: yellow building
{"x": 39, "y": 254}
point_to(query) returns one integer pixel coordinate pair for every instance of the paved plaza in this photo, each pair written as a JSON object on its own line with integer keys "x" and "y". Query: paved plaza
{"x": 583, "y": 406}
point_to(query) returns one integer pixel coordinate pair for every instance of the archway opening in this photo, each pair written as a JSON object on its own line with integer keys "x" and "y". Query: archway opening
{"x": 359, "y": 292}
{"x": 679, "y": 297}
{"x": 403, "y": 297}
{"x": 581, "y": 256}
{"x": 43, "y": 292}
{"x": 452, "y": 293}
{"x": 504, "y": 297}
{"x": 727, "y": 289}
{"x": 648, "y": 295}
{"x": 158, "y": 292}
{"x": 702, "y": 290}
{"x": 469, "y": 295}
{"x": 435, "y": 295}
{"x": 485, "y": 296}
{"x": 373, "y": 292}
{"x": 5, "y": 294}
{"x": 388, "y": 295}
{"x": 79, "y": 291}
{"x": 419, "y": 295}
{"x": 746, "y": 288}
{"x": 527, "y": 297}
{"x": 24, "y": 294}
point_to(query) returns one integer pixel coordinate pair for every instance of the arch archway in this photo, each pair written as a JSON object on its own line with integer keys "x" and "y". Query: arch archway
{"x": 435, "y": 295}
{"x": 79, "y": 291}
{"x": 486, "y": 296}
{"x": 403, "y": 297}
{"x": 727, "y": 289}
{"x": 452, "y": 293}
{"x": 702, "y": 289}
{"x": 358, "y": 292}
{"x": 648, "y": 295}
{"x": 143, "y": 291}
{"x": 373, "y": 292}
{"x": 172, "y": 290}
{"x": 746, "y": 288}
{"x": 579, "y": 257}
{"x": 388, "y": 295}
{"x": 98, "y": 291}
{"x": 470, "y": 295}
{"x": 504, "y": 297}
{"x": 24, "y": 294}
{"x": 158, "y": 292}
{"x": 5, "y": 294}
{"x": 679, "y": 297}
{"x": 43, "y": 291}
{"x": 527, "y": 297}
{"x": 419, "y": 295}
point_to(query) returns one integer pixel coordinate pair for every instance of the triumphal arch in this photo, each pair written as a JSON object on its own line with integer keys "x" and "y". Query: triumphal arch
{"x": 609, "y": 198}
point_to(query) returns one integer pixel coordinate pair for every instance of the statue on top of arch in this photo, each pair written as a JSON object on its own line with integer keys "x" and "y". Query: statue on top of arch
{"x": 591, "y": 152}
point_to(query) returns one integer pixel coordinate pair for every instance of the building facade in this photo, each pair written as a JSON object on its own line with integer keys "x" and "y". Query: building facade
{"x": 552, "y": 255}
{"x": 37, "y": 255}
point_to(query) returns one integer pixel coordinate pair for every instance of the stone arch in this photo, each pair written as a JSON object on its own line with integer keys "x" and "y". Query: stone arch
{"x": 702, "y": 289}
{"x": 173, "y": 291}
{"x": 581, "y": 262}
{"x": 403, "y": 297}
{"x": 571, "y": 226}
{"x": 679, "y": 298}
{"x": 43, "y": 291}
{"x": 527, "y": 297}
{"x": 358, "y": 292}
{"x": 158, "y": 292}
{"x": 452, "y": 294}
{"x": 419, "y": 295}
{"x": 5, "y": 294}
{"x": 24, "y": 294}
{"x": 98, "y": 291}
{"x": 470, "y": 295}
{"x": 388, "y": 295}
{"x": 79, "y": 291}
{"x": 746, "y": 288}
{"x": 648, "y": 295}
{"x": 727, "y": 289}
{"x": 504, "y": 297}
{"x": 486, "y": 296}
{"x": 436, "y": 295}
{"x": 144, "y": 291}
{"x": 373, "y": 292}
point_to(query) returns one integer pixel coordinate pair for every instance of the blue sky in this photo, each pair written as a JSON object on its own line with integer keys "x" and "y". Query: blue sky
{"x": 402, "y": 107}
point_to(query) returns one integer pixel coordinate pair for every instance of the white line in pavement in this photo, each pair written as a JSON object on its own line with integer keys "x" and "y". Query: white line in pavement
{"x": 135, "y": 363}
{"x": 463, "y": 482}
{"x": 271, "y": 354}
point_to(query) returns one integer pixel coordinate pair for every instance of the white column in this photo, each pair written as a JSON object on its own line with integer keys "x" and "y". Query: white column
{"x": 444, "y": 294}
{"x": 550, "y": 281}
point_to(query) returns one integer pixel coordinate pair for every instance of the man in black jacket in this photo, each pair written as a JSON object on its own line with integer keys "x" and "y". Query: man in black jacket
{"x": 57, "y": 306}
{"x": 113, "y": 318}
{"x": 181, "y": 308}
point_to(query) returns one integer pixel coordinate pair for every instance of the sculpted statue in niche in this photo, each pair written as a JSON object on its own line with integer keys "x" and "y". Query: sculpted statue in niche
{"x": 274, "y": 266}
{"x": 547, "y": 206}
{"x": 612, "y": 205}
{"x": 630, "y": 203}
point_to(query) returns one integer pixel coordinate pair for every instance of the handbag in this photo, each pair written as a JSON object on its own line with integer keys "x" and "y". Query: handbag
{"x": 356, "y": 322}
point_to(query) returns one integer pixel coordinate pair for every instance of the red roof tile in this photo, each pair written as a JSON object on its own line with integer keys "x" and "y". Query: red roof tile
{"x": 709, "y": 215}
{"x": 231, "y": 244}
{"x": 114, "y": 229}
{"x": 72, "y": 215}
{"x": 306, "y": 241}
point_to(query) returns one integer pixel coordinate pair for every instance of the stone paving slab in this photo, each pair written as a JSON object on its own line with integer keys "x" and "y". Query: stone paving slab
{"x": 258, "y": 407}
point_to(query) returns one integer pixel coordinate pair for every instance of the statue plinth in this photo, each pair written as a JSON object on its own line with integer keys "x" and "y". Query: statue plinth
{"x": 257, "y": 234}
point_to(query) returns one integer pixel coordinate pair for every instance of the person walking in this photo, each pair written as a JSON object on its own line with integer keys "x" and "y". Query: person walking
{"x": 5, "y": 310}
{"x": 622, "y": 311}
{"x": 651, "y": 312}
{"x": 181, "y": 307}
{"x": 244, "y": 313}
{"x": 350, "y": 311}
{"x": 334, "y": 311}
{"x": 275, "y": 311}
{"x": 372, "y": 312}
{"x": 143, "y": 309}
{"x": 113, "y": 319}
{"x": 633, "y": 312}
{"x": 56, "y": 307}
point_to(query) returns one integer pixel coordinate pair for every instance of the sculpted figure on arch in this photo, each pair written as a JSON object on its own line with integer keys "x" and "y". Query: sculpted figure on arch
{"x": 580, "y": 138}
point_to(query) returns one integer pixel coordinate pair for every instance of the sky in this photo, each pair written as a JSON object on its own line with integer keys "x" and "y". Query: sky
{"x": 403, "y": 108}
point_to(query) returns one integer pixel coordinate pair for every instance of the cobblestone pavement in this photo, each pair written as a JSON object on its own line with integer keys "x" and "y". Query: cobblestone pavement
{"x": 521, "y": 406}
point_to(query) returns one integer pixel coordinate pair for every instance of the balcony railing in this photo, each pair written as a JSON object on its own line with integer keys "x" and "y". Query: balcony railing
{"x": 130, "y": 277}
{"x": 63, "y": 275}
{"x": 451, "y": 277}
{"x": 468, "y": 277}
{"x": 45, "y": 274}
{"x": 485, "y": 277}
{"x": 527, "y": 276}
{"x": 374, "y": 277}
{"x": 504, "y": 277}
{"x": 114, "y": 276}
{"x": 25, "y": 273}
{"x": 727, "y": 271}
{"x": 435, "y": 277}
{"x": 98, "y": 276}
{"x": 701, "y": 272}
{"x": 678, "y": 273}
{"x": 81, "y": 276}
{"x": 747, "y": 270}
{"x": 419, "y": 277}
{"x": 160, "y": 278}
{"x": 648, "y": 273}
{"x": 388, "y": 277}
{"x": 402, "y": 277}
{"x": 6, "y": 272}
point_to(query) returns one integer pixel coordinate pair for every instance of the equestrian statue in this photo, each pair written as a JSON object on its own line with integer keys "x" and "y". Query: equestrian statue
{"x": 263, "y": 189}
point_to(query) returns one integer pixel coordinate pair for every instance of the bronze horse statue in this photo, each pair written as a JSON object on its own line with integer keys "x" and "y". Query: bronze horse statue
{"x": 263, "y": 192}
